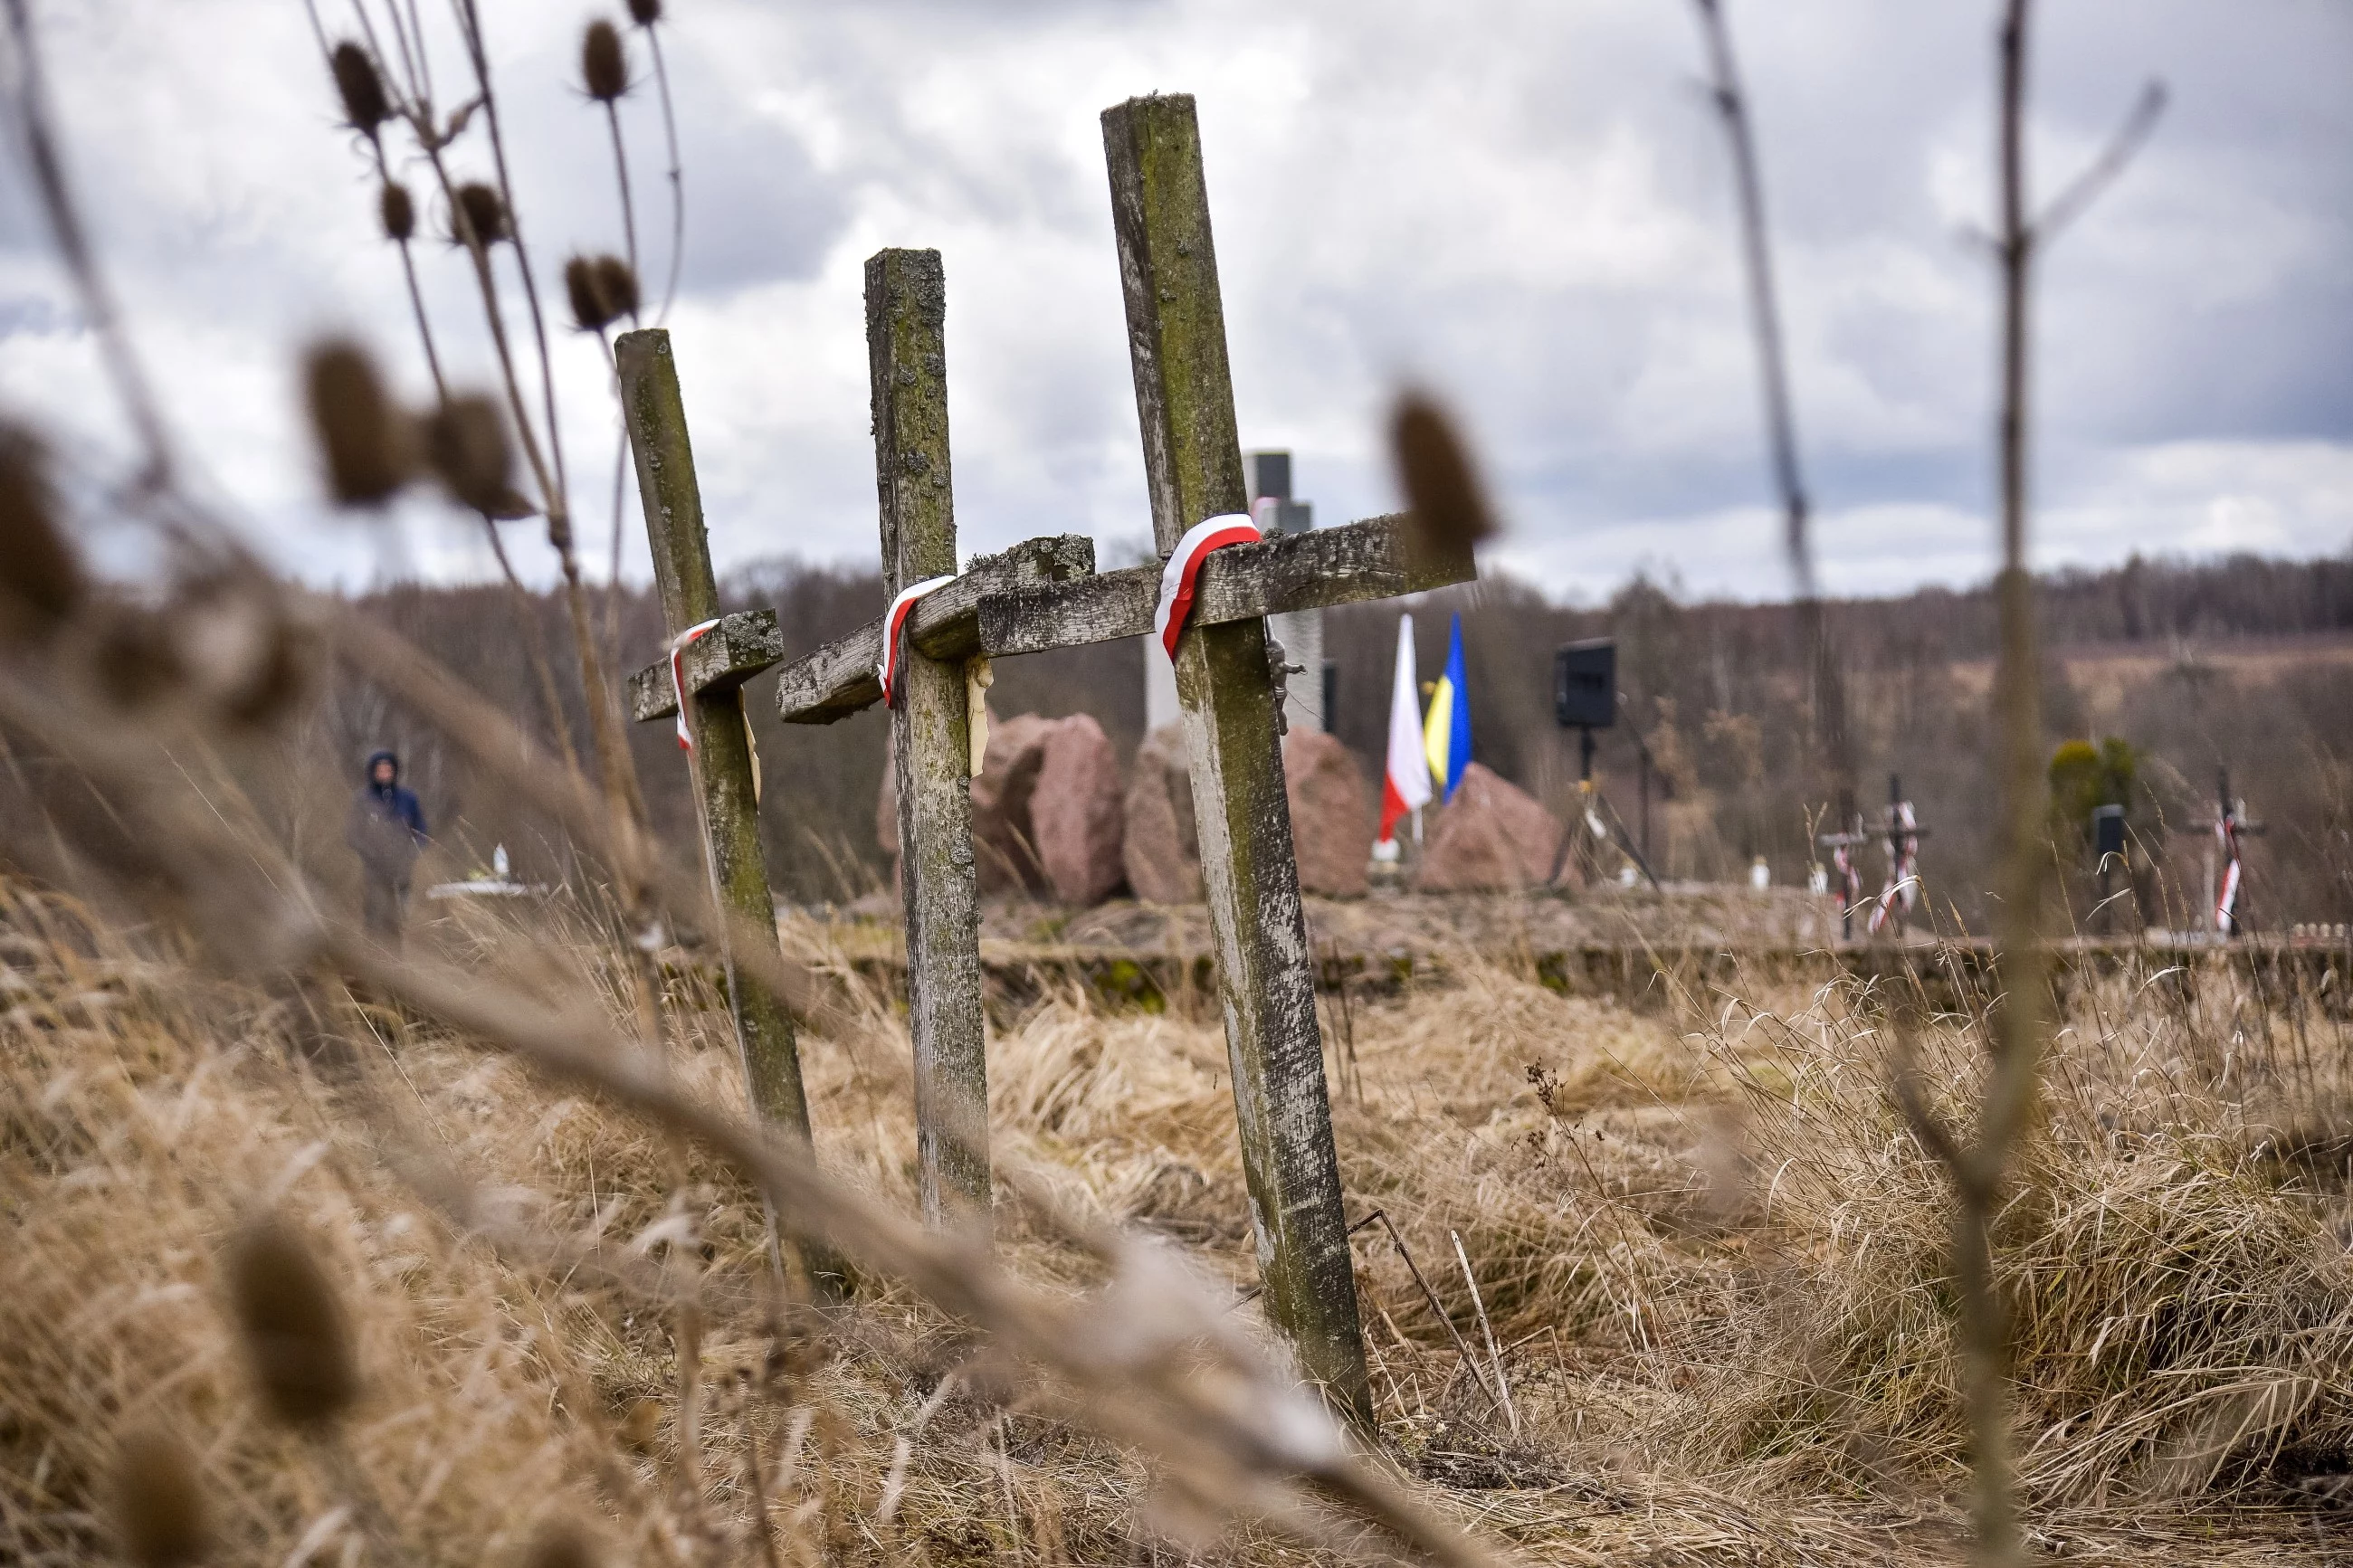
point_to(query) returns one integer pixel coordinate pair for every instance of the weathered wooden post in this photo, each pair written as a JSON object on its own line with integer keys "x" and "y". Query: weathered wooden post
{"x": 906, "y": 356}
{"x": 1193, "y": 469}
{"x": 727, "y": 796}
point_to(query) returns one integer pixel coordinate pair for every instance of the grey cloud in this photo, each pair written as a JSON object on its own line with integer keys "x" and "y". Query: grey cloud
{"x": 1530, "y": 212}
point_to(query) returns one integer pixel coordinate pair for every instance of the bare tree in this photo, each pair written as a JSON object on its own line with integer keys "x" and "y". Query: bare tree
{"x": 1979, "y": 1164}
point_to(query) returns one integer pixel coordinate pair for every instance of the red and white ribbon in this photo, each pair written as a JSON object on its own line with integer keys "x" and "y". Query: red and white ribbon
{"x": 895, "y": 624}
{"x": 1902, "y": 872}
{"x": 2226, "y": 902}
{"x": 1177, "y": 578}
{"x": 678, "y": 676}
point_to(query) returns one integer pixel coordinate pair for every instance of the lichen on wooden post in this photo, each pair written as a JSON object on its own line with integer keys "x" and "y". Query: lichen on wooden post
{"x": 1193, "y": 469}
{"x": 906, "y": 313}
{"x": 727, "y": 794}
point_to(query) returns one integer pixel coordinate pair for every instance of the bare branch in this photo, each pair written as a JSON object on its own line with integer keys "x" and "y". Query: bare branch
{"x": 677, "y": 175}
{"x": 1730, "y": 101}
{"x": 2122, "y": 148}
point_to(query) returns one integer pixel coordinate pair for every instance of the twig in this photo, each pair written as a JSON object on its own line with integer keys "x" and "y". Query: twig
{"x": 677, "y": 175}
{"x": 2122, "y": 148}
{"x": 518, "y": 597}
{"x": 1833, "y": 734}
{"x": 1437, "y": 1308}
{"x": 621, "y": 176}
{"x": 469, "y": 25}
{"x": 1487, "y": 1328}
{"x": 1979, "y": 1168}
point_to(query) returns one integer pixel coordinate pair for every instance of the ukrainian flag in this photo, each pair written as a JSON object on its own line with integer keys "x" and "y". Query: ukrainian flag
{"x": 1446, "y": 733}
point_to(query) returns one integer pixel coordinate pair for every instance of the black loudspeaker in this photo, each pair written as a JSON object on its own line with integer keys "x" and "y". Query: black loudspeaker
{"x": 1584, "y": 684}
{"x": 2107, "y": 830}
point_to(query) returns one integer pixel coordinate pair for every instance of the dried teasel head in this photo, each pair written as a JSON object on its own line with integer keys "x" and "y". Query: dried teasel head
{"x": 603, "y": 62}
{"x": 645, "y": 13}
{"x": 360, "y": 87}
{"x": 160, "y": 1517}
{"x": 297, "y": 1340}
{"x": 361, "y": 435}
{"x": 588, "y": 312}
{"x": 465, "y": 441}
{"x": 484, "y": 211}
{"x": 41, "y": 579}
{"x": 601, "y": 289}
{"x": 237, "y": 647}
{"x": 1448, "y": 509}
{"x": 616, "y": 285}
{"x": 400, "y": 213}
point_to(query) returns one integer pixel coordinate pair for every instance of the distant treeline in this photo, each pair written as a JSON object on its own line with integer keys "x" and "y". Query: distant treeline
{"x": 1717, "y": 692}
{"x": 2143, "y": 599}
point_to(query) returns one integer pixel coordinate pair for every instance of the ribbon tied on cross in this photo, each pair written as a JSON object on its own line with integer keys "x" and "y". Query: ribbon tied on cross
{"x": 678, "y": 676}
{"x": 894, "y": 630}
{"x": 1179, "y": 577}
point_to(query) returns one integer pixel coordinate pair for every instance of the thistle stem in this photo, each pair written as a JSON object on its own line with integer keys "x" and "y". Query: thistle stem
{"x": 677, "y": 176}
{"x": 621, "y": 177}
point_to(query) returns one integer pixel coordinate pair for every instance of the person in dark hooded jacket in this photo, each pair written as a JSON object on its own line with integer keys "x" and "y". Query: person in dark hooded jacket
{"x": 386, "y": 830}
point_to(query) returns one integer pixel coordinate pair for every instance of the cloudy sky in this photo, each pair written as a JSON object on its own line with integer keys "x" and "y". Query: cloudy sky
{"x": 1523, "y": 204}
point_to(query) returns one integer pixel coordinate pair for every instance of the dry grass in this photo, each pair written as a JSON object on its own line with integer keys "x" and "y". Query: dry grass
{"x": 1714, "y": 1257}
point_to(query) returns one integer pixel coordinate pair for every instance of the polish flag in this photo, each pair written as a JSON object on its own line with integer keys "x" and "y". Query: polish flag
{"x": 678, "y": 677}
{"x": 895, "y": 627}
{"x": 1177, "y": 578}
{"x": 1405, "y": 786}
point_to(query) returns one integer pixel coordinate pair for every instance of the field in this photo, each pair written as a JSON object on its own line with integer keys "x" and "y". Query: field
{"x": 1712, "y": 1262}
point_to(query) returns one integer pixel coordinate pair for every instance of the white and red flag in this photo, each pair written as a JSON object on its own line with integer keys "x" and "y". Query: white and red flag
{"x": 678, "y": 677}
{"x": 1903, "y": 867}
{"x": 895, "y": 627}
{"x": 1177, "y": 578}
{"x": 1405, "y": 783}
{"x": 2226, "y": 901}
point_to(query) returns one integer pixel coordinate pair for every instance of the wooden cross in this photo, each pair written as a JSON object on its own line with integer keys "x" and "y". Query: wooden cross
{"x": 931, "y": 733}
{"x": 1041, "y": 594}
{"x": 1045, "y": 594}
{"x": 1230, "y": 702}
{"x": 2225, "y": 901}
{"x": 722, "y": 765}
{"x": 932, "y": 729}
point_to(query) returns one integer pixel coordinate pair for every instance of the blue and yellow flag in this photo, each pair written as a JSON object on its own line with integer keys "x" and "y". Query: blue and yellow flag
{"x": 1446, "y": 733}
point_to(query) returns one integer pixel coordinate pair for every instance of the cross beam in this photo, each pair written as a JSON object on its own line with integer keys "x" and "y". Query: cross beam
{"x": 838, "y": 680}
{"x": 1379, "y": 558}
{"x": 722, "y": 659}
{"x": 1044, "y": 593}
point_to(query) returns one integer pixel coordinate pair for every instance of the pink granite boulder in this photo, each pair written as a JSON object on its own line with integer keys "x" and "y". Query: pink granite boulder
{"x": 1159, "y": 848}
{"x": 1045, "y": 813}
{"x": 1493, "y": 837}
{"x": 1076, "y": 819}
{"x": 1331, "y": 814}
